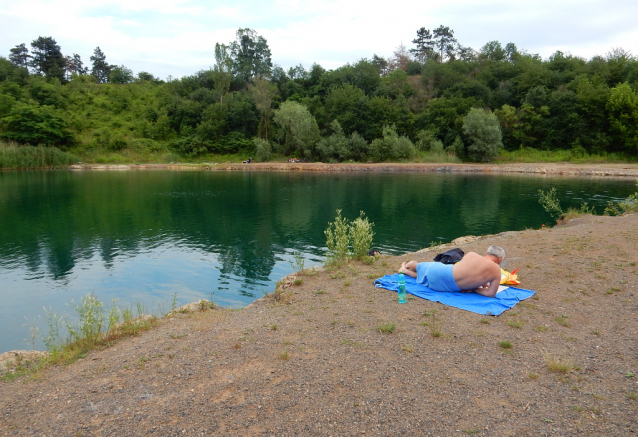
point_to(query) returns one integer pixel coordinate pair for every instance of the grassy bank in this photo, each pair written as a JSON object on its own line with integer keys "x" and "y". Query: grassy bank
{"x": 14, "y": 157}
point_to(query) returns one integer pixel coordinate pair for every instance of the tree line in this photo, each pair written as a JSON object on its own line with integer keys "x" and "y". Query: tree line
{"x": 436, "y": 97}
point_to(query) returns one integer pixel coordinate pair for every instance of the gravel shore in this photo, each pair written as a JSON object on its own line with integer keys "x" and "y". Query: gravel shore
{"x": 564, "y": 362}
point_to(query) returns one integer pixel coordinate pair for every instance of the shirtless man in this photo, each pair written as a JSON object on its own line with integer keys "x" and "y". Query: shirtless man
{"x": 481, "y": 274}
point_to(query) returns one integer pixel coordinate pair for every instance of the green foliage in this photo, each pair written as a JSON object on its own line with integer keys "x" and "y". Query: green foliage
{"x": 298, "y": 129}
{"x": 628, "y": 205}
{"x": 347, "y": 240}
{"x": 263, "y": 150}
{"x": 35, "y": 125}
{"x": 26, "y": 157}
{"x": 623, "y": 117}
{"x": 483, "y": 133}
{"x": 550, "y": 203}
{"x": 560, "y": 109}
{"x": 121, "y": 74}
{"x": 391, "y": 146}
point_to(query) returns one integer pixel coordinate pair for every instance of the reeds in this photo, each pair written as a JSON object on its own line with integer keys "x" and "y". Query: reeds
{"x": 15, "y": 157}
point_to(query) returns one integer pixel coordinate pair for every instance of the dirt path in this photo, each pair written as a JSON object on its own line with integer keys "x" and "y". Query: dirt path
{"x": 318, "y": 365}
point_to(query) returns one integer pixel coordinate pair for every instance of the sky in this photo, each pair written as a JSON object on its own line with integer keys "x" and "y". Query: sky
{"x": 177, "y": 37}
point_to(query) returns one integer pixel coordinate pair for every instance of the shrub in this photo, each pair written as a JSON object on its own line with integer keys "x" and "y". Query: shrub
{"x": 550, "y": 203}
{"x": 341, "y": 236}
{"x": 483, "y": 133}
{"x": 263, "y": 150}
{"x": 391, "y": 146}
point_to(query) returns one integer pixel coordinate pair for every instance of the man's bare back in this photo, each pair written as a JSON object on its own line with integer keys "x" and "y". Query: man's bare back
{"x": 481, "y": 274}
{"x": 474, "y": 272}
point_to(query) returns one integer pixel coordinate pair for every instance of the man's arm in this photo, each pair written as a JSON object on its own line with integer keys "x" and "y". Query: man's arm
{"x": 489, "y": 289}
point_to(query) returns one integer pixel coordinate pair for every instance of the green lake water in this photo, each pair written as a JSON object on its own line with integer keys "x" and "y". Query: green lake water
{"x": 147, "y": 236}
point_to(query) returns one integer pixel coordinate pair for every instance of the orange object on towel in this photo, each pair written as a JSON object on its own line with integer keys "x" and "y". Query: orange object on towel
{"x": 508, "y": 278}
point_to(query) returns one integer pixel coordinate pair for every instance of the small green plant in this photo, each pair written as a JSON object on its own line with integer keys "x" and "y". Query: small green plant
{"x": 347, "y": 282}
{"x": 505, "y": 344}
{"x": 629, "y": 205}
{"x": 347, "y": 240}
{"x": 484, "y": 321}
{"x": 563, "y": 321}
{"x": 516, "y": 323}
{"x": 550, "y": 203}
{"x": 630, "y": 375}
{"x": 632, "y": 396}
{"x": 284, "y": 356}
{"x": 532, "y": 375}
{"x": 320, "y": 292}
{"x": 298, "y": 281}
{"x": 274, "y": 326}
{"x": 298, "y": 263}
{"x": 474, "y": 430}
{"x": 386, "y": 328}
{"x": 174, "y": 302}
{"x": 407, "y": 348}
{"x": 557, "y": 365}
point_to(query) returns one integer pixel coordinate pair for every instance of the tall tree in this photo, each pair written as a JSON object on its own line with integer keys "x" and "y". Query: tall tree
{"x": 445, "y": 43}
{"x": 400, "y": 59}
{"x": 424, "y": 45}
{"x": 20, "y": 55}
{"x": 222, "y": 68}
{"x": 101, "y": 69}
{"x": 263, "y": 92}
{"x": 47, "y": 58}
{"x": 74, "y": 65}
{"x": 250, "y": 55}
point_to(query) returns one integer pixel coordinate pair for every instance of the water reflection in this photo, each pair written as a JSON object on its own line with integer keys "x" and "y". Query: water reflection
{"x": 145, "y": 236}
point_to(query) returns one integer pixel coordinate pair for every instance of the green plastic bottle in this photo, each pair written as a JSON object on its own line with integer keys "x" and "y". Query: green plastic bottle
{"x": 402, "y": 293}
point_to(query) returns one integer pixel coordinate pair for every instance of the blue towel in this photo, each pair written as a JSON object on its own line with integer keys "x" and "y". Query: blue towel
{"x": 489, "y": 306}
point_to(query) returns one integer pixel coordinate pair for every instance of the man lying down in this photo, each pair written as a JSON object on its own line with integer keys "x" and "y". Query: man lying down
{"x": 481, "y": 274}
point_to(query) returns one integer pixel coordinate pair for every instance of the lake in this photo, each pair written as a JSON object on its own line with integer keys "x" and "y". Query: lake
{"x": 151, "y": 237}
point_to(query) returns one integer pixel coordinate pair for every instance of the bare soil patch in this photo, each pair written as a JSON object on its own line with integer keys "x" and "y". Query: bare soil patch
{"x": 561, "y": 363}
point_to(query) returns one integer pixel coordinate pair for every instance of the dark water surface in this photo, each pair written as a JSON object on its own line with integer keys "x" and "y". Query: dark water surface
{"x": 142, "y": 237}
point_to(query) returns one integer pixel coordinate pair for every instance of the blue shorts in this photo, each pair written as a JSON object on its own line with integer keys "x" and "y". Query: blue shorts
{"x": 437, "y": 276}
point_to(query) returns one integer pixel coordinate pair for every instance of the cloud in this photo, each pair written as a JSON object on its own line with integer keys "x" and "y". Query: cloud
{"x": 177, "y": 37}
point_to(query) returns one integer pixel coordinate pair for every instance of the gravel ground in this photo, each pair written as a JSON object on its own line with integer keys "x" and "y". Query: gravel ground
{"x": 317, "y": 364}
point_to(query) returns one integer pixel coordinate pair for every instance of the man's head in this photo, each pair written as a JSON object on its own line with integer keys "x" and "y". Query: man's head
{"x": 496, "y": 252}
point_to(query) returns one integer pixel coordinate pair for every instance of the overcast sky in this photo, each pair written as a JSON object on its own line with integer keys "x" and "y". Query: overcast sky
{"x": 177, "y": 37}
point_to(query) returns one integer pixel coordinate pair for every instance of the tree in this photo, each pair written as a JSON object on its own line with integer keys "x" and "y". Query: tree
{"x": 623, "y": 116}
{"x": 494, "y": 51}
{"x": 74, "y": 65}
{"x": 400, "y": 59}
{"x": 381, "y": 64}
{"x": 483, "y": 133}
{"x": 298, "y": 128}
{"x": 46, "y": 58}
{"x": 424, "y": 45}
{"x": 263, "y": 92}
{"x": 101, "y": 69}
{"x": 250, "y": 55}
{"x": 36, "y": 125}
{"x": 120, "y": 74}
{"x": 20, "y": 56}
{"x": 445, "y": 43}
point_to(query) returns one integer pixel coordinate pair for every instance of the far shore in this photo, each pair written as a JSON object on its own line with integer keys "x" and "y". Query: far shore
{"x": 545, "y": 169}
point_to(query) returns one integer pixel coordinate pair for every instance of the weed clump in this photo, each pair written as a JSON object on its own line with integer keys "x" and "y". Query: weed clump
{"x": 348, "y": 240}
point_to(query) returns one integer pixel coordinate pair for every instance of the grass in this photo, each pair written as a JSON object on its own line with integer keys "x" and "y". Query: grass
{"x": 562, "y": 320}
{"x": 516, "y": 323}
{"x": 14, "y": 157}
{"x": 505, "y": 344}
{"x": 558, "y": 365}
{"x": 95, "y": 329}
{"x": 284, "y": 355}
{"x": 386, "y": 328}
{"x": 407, "y": 348}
